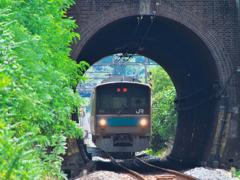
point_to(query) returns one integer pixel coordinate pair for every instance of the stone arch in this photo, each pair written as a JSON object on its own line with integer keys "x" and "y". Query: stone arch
{"x": 190, "y": 21}
{"x": 171, "y": 11}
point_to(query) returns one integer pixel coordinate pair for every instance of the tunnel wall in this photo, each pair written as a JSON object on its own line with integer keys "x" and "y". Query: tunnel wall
{"x": 216, "y": 23}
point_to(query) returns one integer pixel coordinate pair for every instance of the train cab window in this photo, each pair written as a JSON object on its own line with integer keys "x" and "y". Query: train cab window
{"x": 103, "y": 103}
{"x": 111, "y": 101}
{"x": 118, "y": 102}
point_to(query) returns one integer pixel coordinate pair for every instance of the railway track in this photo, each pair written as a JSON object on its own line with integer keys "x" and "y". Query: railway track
{"x": 131, "y": 172}
{"x": 175, "y": 174}
{"x": 166, "y": 174}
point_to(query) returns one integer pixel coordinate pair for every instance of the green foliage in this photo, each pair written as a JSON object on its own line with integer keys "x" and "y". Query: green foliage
{"x": 17, "y": 159}
{"x": 157, "y": 142}
{"x": 164, "y": 116}
{"x": 161, "y": 80}
{"x": 237, "y": 172}
{"x": 36, "y": 87}
{"x": 153, "y": 153}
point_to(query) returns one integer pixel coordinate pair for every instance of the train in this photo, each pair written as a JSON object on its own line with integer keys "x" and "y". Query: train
{"x": 121, "y": 115}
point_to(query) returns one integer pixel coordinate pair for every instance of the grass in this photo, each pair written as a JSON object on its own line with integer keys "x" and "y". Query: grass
{"x": 163, "y": 152}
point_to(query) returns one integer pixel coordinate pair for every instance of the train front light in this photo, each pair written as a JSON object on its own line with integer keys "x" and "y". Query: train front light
{"x": 143, "y": 122}
{"x": 102, "y": 122}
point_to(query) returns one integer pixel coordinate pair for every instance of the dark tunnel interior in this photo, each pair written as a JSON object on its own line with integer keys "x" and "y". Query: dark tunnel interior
{"x": 185, "y": 58}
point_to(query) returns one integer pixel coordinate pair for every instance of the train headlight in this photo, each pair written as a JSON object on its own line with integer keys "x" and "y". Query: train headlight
{"x": 143, "y": 122}
{"x": 102, "y": 122}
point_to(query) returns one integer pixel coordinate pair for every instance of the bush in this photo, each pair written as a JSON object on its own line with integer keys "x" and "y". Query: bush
{"x": 164, "y": 116}
{"x": 36, "y": 87}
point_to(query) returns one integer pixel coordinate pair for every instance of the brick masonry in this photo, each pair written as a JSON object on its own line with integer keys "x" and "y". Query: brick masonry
{"x": 214, "y": 21}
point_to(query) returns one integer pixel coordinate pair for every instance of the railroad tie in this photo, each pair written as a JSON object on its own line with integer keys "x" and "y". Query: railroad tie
{"x": 166, "y": 177}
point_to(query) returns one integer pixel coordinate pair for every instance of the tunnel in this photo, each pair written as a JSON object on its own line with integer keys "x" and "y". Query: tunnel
{"x": 188, "y": 62}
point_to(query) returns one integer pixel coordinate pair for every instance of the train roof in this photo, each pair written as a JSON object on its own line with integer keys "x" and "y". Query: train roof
{"x": 122, "y": 79}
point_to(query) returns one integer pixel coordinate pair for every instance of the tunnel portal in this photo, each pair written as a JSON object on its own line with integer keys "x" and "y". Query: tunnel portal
{"x": 190, "y": 52}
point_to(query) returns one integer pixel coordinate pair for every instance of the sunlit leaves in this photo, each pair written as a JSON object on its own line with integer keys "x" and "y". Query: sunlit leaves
{"x": 161, "y": 80}
{"x": 164, "y": 116}
{"x": 37, "y": 78}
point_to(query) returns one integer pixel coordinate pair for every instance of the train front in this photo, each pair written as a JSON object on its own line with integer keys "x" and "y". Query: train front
{"x": 122, "y": 117}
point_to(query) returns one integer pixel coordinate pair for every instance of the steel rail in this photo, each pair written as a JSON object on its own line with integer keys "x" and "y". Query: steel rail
{"x": 83, "y": 151}
{"x": 133, "y": 173}
{"x": 185, "y": 176}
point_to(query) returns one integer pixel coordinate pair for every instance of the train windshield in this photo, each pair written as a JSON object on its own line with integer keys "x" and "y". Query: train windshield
{"x": 123, "y": 99}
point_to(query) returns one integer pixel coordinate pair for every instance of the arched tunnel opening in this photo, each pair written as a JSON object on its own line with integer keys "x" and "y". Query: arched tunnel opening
{"x": 141, "y": 70}
{"x": 186, "y": 59}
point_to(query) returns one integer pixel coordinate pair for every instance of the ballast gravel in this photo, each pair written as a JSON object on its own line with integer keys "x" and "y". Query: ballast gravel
{"x": 106, "y": 175}
{"x": 210, "y": 174}
{"x": 202, "y": 173}
{"x": 199, "y": 173}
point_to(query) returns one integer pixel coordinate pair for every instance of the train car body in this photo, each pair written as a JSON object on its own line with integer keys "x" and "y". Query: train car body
{"x": 120, "y": 118}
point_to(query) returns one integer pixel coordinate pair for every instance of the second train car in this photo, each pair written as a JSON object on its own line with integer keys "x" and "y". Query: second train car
{"x": 121, "y": 116}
